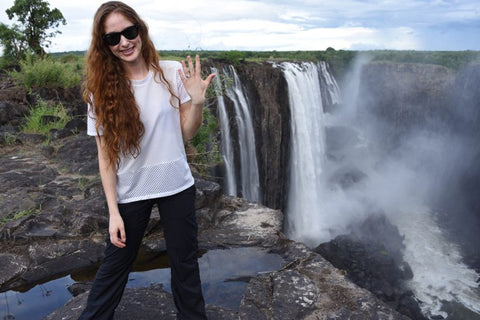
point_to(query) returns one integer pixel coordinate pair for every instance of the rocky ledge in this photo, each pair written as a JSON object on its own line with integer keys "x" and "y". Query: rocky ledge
{"x": 60, "y": 222}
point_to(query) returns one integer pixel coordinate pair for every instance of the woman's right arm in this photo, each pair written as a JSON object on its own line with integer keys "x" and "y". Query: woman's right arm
{"x": 108, "y": 174}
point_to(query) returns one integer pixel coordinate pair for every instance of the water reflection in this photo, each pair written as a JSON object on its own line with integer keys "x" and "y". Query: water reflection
{"x": 37, "y": 302}
{"x": 224, "y": 273}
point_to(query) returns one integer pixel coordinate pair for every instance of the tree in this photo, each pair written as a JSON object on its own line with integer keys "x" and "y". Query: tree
{"x": 13, "y": 42}
{"x": 36, "y": 19}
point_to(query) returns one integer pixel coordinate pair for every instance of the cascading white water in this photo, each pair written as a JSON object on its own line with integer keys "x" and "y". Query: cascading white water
{"x": 226, "y": 139}
{"x": 307, "y": 146}
{"x": 330, "y": 83}
{"x": 248, "y": 175}
{"x": 317, "y": 211}
{"x": 439, "y": 274}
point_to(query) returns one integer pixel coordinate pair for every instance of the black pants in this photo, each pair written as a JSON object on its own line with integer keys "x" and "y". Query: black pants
{"x": 177, "y": 213}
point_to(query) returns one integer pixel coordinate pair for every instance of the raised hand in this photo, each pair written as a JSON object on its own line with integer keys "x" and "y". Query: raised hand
{"x": 192, "y": 80}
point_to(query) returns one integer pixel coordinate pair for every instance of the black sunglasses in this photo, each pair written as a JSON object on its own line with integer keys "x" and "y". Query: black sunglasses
{"x": 113, "y": 38}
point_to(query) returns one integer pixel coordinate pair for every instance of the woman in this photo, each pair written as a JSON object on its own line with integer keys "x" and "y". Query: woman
{"x": 141, "y": 111}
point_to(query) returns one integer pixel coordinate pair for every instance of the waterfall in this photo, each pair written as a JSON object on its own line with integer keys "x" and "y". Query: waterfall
{"x": 226, "y": 147}
{"x": 307, "y": 146}
{"x": 399, "y": 185}
{"x": 247, "y": 173}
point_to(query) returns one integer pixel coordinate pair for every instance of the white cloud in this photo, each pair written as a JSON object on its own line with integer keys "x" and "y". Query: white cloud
{"x": 286, "y": 25}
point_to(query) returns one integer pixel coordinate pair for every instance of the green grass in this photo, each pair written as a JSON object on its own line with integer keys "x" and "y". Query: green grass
{"x": 36, "y": 122}
{"x": 49, "y": 72}
{"x": 16, "y": 216}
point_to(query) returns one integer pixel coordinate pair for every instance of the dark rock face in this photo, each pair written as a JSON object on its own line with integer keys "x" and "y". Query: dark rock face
{"x": 373, "y": 258}
{"x": 13, "y": 102}
{"x": 12, "y": 266}
{"x": 268, "y": 95}
{"x": 266, "y": 91}
{"x": 404, "y": 96}
{"x": 270, "y": 297}
{"x": 459, "y": 199}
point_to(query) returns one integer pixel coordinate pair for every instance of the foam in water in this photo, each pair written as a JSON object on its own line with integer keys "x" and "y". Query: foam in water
{"x": 439, "y": 274}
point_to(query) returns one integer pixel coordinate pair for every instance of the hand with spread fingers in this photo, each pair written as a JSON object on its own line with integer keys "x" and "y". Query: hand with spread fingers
{"x": 192, "y": 80}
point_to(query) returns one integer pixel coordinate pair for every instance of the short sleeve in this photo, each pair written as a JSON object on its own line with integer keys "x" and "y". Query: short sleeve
{"x": 91, "y": 122}
{"x": 181, "y": 91}
{"x": 170, "y": 69}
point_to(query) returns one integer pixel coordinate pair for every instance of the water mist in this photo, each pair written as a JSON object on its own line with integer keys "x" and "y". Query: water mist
{"x": 400, "y": 179}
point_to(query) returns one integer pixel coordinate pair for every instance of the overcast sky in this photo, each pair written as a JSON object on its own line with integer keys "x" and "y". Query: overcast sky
{"x": 286, "y": 25}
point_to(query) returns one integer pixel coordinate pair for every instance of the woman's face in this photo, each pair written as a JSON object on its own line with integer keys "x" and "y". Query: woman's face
{"x": 127, "y": 50}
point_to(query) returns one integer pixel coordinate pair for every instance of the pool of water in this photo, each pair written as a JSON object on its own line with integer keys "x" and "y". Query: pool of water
{"x": 224, "y": 274}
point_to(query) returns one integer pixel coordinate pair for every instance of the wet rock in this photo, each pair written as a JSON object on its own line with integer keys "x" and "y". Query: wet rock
{"x": 12, "y": 266}
{"x": 78, "y": 288}
{"x": 13, "y": 106}
{"x": 30, "y": 138}
{"x": 294, "y": 295}
{"x": 78, "y": 154}
{"x": 207, "y": 193}
{"x": 372, "y": 257}
{"x": 346, "y": 177}
{"x": 76, "y": 125}
{"x": 249, "y": 225}
{"x": 5, "y": 114}
{"x": 72, "y": 127}
{"x": 61, "y": 256}
{"x": 409, "y": 306}
{"x": 150, "y": 303}
{"x": 309, "y": 287}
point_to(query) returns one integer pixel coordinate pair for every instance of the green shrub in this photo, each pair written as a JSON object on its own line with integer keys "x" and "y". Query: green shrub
{"x": 205, "y": 152}
{"x": 48, "y": 72}
{"x": 234, "y": 57}
{"x": 43, "y": 117}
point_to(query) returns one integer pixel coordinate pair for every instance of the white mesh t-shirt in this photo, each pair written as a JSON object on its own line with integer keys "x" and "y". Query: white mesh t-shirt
{"x": 161, "y": 168}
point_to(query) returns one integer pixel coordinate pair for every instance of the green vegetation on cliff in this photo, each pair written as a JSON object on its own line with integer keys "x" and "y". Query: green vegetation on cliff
{"x": 339, "y": 60}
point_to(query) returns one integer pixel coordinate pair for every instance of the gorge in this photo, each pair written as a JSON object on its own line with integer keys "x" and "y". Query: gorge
{"x": 396, "y": 140}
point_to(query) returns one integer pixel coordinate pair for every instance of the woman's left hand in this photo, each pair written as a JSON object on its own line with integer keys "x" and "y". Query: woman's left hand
{"x": 192, "y": 80}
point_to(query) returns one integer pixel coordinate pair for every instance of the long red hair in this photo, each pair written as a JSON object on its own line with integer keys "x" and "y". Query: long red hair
{"x": 108, "y": 90}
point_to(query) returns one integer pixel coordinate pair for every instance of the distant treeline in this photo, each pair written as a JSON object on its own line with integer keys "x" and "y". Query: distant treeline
{"x": 339, "y": 60}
